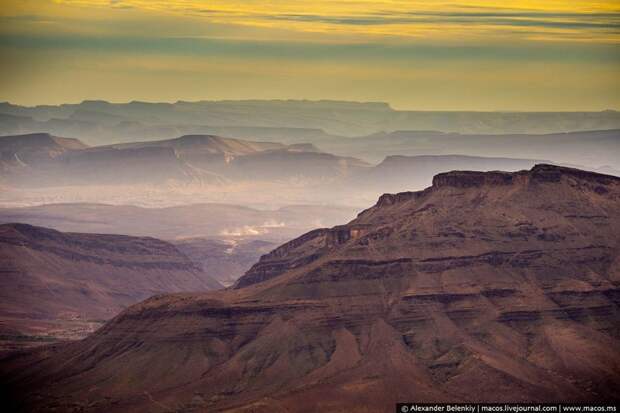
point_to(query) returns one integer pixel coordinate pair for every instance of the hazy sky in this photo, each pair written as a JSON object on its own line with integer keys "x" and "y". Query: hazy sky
{"x": 452, "y": 55}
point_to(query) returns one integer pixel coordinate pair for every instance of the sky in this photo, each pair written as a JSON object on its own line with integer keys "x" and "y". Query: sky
{"x": 551, "y": 55}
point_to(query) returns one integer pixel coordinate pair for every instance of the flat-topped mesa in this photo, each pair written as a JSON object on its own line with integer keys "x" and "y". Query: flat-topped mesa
{"x": 539, "y": 173}
{"x": 477, "y": 179}
{"x": 455, "y": 179}
{"x": 553, "y": 173}
{"x": 468, "y": 179}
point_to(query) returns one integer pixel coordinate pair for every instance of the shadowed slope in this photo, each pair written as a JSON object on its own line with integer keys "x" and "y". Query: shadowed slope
{"x": 51, "y": 277}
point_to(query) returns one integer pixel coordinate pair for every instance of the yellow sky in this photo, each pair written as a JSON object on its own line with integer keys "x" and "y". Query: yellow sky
{"x": 430, "y": 19}
{"x": 433, "y": 54}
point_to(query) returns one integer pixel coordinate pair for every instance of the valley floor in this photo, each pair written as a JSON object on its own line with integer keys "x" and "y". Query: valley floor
{"x": 20, "y": 333}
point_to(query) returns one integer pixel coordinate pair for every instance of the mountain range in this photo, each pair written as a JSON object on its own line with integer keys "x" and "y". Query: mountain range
{"x": 486, "y": 286}
{"x": 592, "y": 149}
{"x": 101, "y": 122}
{"x": 41, "y": 168}
{"x": 45, "y": 160}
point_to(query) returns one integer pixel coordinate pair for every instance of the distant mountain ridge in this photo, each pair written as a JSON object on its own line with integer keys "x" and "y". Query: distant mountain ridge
{"x": 209, "y": 168}
{"x": 100, "y": 122}
{"x": 45, "y": 160}
{"x": 594, "y": 148}
{"x": 206, "y": 143}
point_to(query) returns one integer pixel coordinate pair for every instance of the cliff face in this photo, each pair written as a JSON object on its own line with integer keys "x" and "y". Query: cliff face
{"x": 483, "y": 287}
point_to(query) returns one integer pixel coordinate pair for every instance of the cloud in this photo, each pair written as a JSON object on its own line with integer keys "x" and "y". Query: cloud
{"x": 283, "y": 50}
{"x": 542, "y": 20}
{"x": 120, "y": 4}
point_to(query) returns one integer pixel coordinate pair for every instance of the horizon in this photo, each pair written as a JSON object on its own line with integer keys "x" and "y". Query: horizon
{"x": 292, "y": 100}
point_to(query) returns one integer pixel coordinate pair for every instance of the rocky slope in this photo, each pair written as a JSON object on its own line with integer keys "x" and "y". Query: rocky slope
{"x": 53, "y": 281}
{"x": 484, "y": 287}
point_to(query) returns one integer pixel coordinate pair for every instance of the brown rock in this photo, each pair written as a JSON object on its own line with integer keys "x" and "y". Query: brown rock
{"x": 485, "y": 287}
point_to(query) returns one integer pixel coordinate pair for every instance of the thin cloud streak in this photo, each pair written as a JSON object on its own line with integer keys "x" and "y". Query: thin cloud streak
{"x": 464, "y": 19}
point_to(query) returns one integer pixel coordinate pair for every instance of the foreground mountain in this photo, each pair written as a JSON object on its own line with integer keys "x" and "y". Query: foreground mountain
{"x": 56, "y": 283}
{"x": 484, "y": 287}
